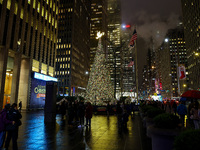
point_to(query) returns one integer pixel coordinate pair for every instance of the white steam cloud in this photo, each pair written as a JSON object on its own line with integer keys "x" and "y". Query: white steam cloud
{"x": 155, "y": 26}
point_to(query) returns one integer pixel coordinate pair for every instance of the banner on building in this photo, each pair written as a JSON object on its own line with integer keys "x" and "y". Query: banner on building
{"x": 182, "y": 72}
{"x": 38, "y": 93}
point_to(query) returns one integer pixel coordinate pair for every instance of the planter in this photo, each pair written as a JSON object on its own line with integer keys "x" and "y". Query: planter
{"x": 162, "y": 139}
{"x": 147, "y": 122}
{"x": 141, "y": 113}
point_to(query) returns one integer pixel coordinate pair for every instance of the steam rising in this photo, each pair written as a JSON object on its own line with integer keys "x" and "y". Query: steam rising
{"x": 155, "y": 27}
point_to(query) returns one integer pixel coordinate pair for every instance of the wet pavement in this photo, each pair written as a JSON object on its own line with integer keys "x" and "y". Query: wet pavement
{"x": 102, "y": 135}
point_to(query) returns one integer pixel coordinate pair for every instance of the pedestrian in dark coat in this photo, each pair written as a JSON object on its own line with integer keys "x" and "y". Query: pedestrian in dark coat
{"x": 88, "y": 113}
{"x": 70, "y": 114}
{"x": 12, "y": 130}
{"x": 125, "y": 119}
{"x": 81, "y": 113}
{"x": 108, "y": 109}
{"x": 63, "y": 109}
{"x": 182, "y": 111}
{"x": 119, "y": 112}
{"x": 3, "y": 122}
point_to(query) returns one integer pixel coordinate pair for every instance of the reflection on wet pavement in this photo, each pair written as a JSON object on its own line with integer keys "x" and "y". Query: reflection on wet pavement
{"x": 102, "y": 135}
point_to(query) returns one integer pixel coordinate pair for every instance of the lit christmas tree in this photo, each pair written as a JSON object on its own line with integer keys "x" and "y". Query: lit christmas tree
{"x": 99, "y": 88}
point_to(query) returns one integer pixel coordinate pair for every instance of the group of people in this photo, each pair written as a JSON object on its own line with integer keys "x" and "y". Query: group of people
{"x": 75, "y": 112}
{"x": 123, "y": 111}
{"x": 9, "y": 125}
{"x": 192, "y": 111}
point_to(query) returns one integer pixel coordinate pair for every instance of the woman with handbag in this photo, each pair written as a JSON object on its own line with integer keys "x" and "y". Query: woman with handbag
{"x": 12, "y": 130}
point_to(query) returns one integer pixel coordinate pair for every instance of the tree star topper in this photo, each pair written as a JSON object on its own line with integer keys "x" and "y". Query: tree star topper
{"x": 99, "y": 35}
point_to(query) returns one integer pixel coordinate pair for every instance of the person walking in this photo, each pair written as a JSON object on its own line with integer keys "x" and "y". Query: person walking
{"x": 174, "y": 107}
{"x": 70, "y": 114}
{"x": 168, "y": 107}
{"x": 88, "y": 113}
{"x": 20, "y": 106}
{"x": 125, "y": 119}
{"x": 12, "y": 130}
{"x": 3, "y": 122}
{"x": 81, "y": 113}
{"x": 63, "y": 110}
{"x": 108, "y": 109}
{"x": 119, "y": 112}
{"x": 194, "y": 115}
{"x": 182, "y": 111}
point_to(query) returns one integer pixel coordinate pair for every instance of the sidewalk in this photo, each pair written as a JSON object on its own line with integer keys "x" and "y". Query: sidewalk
{"x": 103, "y": 134}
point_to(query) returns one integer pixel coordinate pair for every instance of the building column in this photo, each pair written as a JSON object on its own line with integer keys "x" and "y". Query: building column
{"x": 15, "y": 78}
{"x": 3, "y": 66}
{"x": 24, "y": 82}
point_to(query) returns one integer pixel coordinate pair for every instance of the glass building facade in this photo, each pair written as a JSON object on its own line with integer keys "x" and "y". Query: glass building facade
{"x": 73, "y": 46}
{"x": 28, "y": 38}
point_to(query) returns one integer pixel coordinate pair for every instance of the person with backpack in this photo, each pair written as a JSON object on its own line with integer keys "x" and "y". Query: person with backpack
{"x": 3, "y": 122}
{"x": 182, "y": 111}
{"x": 12, "y": 129}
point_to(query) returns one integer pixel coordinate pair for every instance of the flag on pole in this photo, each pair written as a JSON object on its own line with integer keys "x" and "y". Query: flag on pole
{"x": 131, "y": 64}
{"x": 133, "y": 38}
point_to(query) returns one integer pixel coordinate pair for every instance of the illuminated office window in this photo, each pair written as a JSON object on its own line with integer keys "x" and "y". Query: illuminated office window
{"x": 46, "y": 14}
{"x": 54, "y": 6}
{"x": 16, "y": 8}
{"x": 44, "y": 68}
{"x": 52, "y": 21}
{"x": 51, "y": 4}
{"x": 56, "y": 10}
{"x": 38, "y": 9}
{"x": 22, "y": 13}
{"x": 49, "y": 18}
{"x": 35, "y": 66}
{"x": 42, "y": 11}
{"x": 9, "y": 4}
{"x": 34, "y": 3}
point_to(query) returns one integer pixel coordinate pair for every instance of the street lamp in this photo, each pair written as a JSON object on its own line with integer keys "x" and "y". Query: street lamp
{"x": 184, "y": 85}
{"x": 166, "y": 40}
{"x": 196, "y": 54}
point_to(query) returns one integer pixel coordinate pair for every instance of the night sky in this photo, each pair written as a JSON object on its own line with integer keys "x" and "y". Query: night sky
{"x": 152, "y": 19}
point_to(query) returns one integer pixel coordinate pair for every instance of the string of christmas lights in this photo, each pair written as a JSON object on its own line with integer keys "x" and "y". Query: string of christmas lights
{"x": 99, "y": 89}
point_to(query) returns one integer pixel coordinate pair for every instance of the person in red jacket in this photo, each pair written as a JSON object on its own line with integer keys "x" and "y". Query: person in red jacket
{"x": 3, "y": 122}
{"x": 88, "y": 113}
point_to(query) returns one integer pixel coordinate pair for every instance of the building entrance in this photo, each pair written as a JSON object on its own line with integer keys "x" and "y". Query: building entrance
{"x": 8, "y": 81}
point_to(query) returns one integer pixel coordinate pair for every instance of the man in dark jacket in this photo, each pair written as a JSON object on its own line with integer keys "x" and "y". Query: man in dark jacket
{"x": 119, "y": 112}
{"x": 3, "y": 122}
{"x": 13, "y": 115}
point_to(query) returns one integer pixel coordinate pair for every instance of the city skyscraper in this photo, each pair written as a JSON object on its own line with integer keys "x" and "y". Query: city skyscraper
{"x": 191, "y": 21}
{"x": 27, "y": 44}
{"x": 98, "y": 23}
{"x": 127, "y": 74}
{"x": 172, "y": 54}
{"x": 73, "y": 46}
{"x": 114, "y": 43}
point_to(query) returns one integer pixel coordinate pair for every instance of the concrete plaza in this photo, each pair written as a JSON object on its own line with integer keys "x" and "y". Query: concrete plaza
{"x": 102, "y": 135}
